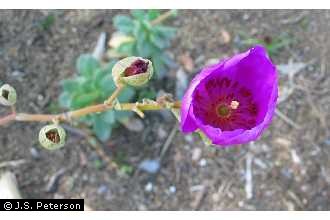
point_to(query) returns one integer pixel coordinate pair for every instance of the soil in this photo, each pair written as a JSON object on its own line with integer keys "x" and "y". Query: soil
{"x": 290, "y": 166}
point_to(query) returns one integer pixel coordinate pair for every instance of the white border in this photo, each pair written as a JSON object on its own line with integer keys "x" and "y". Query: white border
{"x": 165, "y": 4}
{"x": 213, "y": 215}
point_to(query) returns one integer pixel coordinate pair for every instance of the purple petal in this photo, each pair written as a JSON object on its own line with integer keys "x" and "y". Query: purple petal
{"x": 187, "y": 118}
{"x": 256, "y": 75}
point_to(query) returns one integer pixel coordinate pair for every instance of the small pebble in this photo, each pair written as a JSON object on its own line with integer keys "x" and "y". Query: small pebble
{"x": 230, "y": 195}
{"x": 246, "y": 17}
{"x": 17, "y": 73}
{"x": 102, "y": 189}
{"x": 40, "y": 97}
{"x": 196, "y": 154}
{"x": 172, "y": 189}
{"x": 149, "y": 187}
{"x": 240, "y": 203}
{"x": 202, "y": 162}
{"x": 189, "y": 138}
{"x": 134, "y": 124}
{"x": 34, "y": 153}
{"x": 161, "y": 133}
{"x": 150, "y": 166}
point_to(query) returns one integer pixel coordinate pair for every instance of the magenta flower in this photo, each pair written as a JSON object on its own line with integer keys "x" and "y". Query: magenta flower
{"x": 233, "y": 101}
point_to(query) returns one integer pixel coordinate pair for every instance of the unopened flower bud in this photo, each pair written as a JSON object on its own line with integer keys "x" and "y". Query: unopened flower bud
{"x": 52, "y": 137}
{"x": 134, "y": 71}
{"x": 7, "y": 95}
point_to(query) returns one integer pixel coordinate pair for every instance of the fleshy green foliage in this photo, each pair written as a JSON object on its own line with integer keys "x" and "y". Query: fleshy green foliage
{"x": 148, "y": 41}
{"x": 93, "y": 84}
{"x": 47, "y": 22}
{"x": 272, "y": 44}
{"x": 146, "y": 93}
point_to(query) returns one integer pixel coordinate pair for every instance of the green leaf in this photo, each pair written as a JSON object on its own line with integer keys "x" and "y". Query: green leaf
{"x": 108, "y": 116}
{"x": 86, "y": 65}
{"x": 122, "y": 115}
{"x": 107, "y": 85}
{"x": 138, "y": 13}
{"x": 123, "y": 23}
{"x": 145, "y": 49}
{"x": 127, "y": 94}
{"x": 147, "y": 94}
{"x": 88, "y": 119}
{"x": 146, "y": 25}
{"x": 108, "y": 66}
{"x": 126, "y": 48}
{"x": 167, "y": 60}
{"x": 143, "y": 46}
{"x": 153, "y": 14}
{"x": 87, "y": 87}
{"x": 83, "y": 100}
{"x": 159, "y": 41}
{"x": 70, "y": 85}
{"x": 101, "y": 73}
{"x": 165, "y": 31}
{"x": 98, "y": 77}
{"x": 174, "y": 12}
{"x": 65, "y": 100}
{"x": 138, "y": 30}
{"x": 101, "y": 128}
{"x": 159, "y": 66}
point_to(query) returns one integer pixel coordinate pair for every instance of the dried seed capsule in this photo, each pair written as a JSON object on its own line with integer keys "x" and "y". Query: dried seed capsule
{"x": 134, "y": 71}
{"x": 7, "y": 95}
{"x": 52, "y": 137}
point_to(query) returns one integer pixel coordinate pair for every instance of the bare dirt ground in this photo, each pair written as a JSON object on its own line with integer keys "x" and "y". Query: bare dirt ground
{"x": 287, "y": 169}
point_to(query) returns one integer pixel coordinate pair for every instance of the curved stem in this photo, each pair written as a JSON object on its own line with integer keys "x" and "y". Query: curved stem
{"x": 67, "y": 116}
{"x": 114, "y": 95}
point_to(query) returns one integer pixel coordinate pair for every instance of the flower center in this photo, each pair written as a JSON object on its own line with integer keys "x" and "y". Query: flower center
{"x": 226, "y": 104}
{"x": 223, "y": 111}
{"x": 137, "y": 67}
